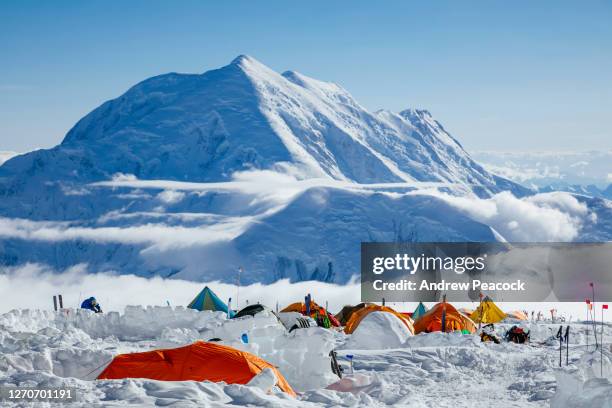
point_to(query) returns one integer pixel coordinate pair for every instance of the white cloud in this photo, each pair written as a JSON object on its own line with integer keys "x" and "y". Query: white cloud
{"x": 512, "y": 225}
{"x": 539, "y": 218}
{"x": 170, "y": 196}
{"x": 32, "y": 287}
{"x": 564, "y": 202}
{"x": 263, "y": 191}
{"x": 523, "y": 174}
{"x": 255, "y": 182}
{"x": 542, "y": 217}
{"x": 121, "y": 177}
{"x": 545, "y": 168}
{"x": 161, "y": 235}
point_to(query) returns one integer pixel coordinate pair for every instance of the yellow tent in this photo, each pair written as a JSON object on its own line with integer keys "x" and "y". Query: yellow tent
{"x": 487, "y": 312}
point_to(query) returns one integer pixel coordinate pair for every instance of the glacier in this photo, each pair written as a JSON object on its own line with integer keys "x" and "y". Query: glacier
{"x": 196, "y": 175}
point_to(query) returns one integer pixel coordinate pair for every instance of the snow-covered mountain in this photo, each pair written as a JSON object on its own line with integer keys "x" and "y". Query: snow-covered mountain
{"x": 246, "y": 116}
{"x": 196, "y": 175}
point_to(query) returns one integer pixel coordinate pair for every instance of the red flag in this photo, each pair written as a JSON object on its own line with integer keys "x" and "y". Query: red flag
{"x": 588, "y": 301}
{"x": 604, "y": 306}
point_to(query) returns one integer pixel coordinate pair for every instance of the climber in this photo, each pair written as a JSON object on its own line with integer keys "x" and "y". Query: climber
{"x": 91, "y": 304}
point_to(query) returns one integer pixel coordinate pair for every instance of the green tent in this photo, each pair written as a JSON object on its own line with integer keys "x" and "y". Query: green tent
{"x": 208, "y": 300}
{"x": 419, "y": 311}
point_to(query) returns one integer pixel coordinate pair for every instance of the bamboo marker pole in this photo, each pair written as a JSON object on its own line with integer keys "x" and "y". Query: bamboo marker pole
{"x": 238, "y": 289}
{"x": 588, "y": 302}
{"x": 603, "y": 307}
{"x": 594, "y": 322}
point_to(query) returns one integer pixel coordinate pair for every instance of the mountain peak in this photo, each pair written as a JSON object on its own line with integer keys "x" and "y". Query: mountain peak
{"x": 253, "y": 69}
{"x": 416, "y": 113}
{"x": 242, "y": 59}
{"x": 249, "y": 64}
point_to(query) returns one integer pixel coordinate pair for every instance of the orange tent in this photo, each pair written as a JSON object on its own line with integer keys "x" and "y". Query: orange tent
{"x": 455, "y": 321}
{"x": 347, "y": 311}
{"x": 358, "y": 316}
{"x": 200, "y": 361}
{"x": 300, "y": 307}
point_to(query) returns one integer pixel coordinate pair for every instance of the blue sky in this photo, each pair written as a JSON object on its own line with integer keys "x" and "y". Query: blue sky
{"x": 499, "y": 75}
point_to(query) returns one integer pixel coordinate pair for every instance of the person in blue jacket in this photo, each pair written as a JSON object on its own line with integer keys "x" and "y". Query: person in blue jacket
{"x": 91, "y": 304}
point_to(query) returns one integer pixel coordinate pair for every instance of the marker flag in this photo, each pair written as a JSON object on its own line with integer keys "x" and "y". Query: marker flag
{"x": 604, "y": 306}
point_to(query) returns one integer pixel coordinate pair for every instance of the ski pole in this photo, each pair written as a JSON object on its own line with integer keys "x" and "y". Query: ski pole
{"x": 560, "y": 337}
{"x": 567, "y": 332}
{"x": 561, "y": 347}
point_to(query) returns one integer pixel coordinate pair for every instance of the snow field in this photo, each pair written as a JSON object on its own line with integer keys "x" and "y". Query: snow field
{"x": 69, "y": 348}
